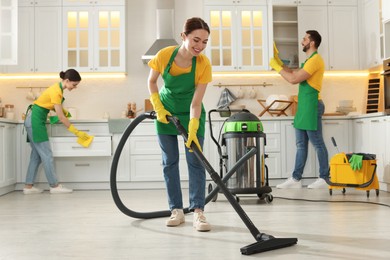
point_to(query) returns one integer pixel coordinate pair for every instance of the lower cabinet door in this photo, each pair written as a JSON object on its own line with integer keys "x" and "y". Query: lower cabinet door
{"x": 82, "y": 169}
{"x": 149, "y": 168}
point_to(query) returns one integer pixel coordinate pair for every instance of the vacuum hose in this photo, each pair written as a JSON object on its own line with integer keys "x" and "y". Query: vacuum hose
{"x": 163, "y": 213}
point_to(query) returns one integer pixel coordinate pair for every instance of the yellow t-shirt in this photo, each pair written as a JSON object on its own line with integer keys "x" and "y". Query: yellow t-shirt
{"x": 50, "y": 97}
{"x": 203, "y": 73}
{"x": 315, "y": 66}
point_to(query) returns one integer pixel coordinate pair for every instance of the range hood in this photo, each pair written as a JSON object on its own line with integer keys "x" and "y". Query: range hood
{"x": 165, "y": 20}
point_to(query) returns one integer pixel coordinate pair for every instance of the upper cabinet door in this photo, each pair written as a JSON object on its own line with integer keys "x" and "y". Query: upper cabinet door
{"x": 8, "y": 32}
{"x": 343, "y": 47}
{"x": 239, "y": 37}
{"x": 314, "y": 18}
{"x": 95, "y": 38}
{"x": 371, "y": 34}
{"x": 92, "y": 2}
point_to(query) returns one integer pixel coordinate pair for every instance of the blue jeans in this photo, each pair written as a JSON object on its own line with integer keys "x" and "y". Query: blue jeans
{"x": 40, "y": 153}
{"x": 196, "y": 174}
{"x": 315, "y": 137}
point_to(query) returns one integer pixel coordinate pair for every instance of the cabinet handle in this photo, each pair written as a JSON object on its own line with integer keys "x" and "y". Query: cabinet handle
{"x": 2, "y": 126}
{"x": 375, "y": 121}
{"x": 331, "y": 123}
{"x": 77, "y": 147}
{"x": 82, "y": 164}
{"x": 84, "y": 130}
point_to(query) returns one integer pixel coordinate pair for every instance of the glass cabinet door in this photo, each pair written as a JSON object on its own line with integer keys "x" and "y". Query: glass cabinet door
{"x": 252, "y": 37}
{"x": 238, "y": 37}
{"x": 220, "y": 48}
{"x": 78, "y": 40}
{"x": 109, "y": 40}
{"x": 94, "y": 38}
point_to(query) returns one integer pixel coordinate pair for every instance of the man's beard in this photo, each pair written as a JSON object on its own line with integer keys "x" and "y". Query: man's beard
{"x": 306, "y": 47}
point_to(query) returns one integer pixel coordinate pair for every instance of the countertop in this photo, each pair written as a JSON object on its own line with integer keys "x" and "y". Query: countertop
{"x": 214, "y": 117}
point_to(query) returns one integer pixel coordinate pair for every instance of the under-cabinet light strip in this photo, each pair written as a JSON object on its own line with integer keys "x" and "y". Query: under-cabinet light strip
{"x": 274, "y": 74}
{"x": 55, "y": 76}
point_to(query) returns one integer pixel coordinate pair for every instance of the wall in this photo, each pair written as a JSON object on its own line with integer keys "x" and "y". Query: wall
{"x": 94, "y": 97}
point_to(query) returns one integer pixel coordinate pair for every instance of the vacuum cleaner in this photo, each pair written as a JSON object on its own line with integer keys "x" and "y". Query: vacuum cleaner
{"x": 242, "y": 130}
{"x": 264, "y": 242}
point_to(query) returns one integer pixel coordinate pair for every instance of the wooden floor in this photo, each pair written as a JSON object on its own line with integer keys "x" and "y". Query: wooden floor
{"x": 87, "y": 225}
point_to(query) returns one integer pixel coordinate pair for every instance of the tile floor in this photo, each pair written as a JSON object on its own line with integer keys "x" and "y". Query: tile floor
{"x": 87, "y": 225}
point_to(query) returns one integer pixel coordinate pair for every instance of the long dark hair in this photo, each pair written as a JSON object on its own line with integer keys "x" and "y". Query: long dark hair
{"x": 70, "y": 74}
{"x": 193, "y": 24}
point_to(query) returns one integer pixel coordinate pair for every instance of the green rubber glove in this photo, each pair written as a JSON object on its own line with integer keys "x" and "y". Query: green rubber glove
{"x": 162, "y": 113}
{"x": 275, "y": 65}
{"x": 356, "y": 162}
{"x": 192, "y": 130}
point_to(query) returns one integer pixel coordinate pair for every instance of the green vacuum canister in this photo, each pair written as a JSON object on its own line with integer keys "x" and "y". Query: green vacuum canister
{"x": 243, "y": 122}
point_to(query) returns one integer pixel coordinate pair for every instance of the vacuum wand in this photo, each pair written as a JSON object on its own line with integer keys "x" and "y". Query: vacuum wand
{"x": 264, "y": 242}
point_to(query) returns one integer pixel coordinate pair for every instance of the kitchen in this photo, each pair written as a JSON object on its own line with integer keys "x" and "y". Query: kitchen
{"x": 99, "y": 96}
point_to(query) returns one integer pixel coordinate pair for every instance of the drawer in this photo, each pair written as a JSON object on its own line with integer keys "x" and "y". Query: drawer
{"x": 68, "y": 147}
{"x": 149, "y": 168}
{"x": 149, "y": 145}
{"x": 90, "y": 128}
{"x": 82, "y": 169}
{"x": 145, "y": 128}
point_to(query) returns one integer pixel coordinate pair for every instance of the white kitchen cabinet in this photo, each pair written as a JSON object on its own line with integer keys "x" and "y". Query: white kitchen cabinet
{"x": 239, "y": 35}
{"x": 146, "y": 158}
{"x": 123, "y": 167}
{"x": 94, "y": 37}
{"x": 299, "y": 2}
{"x": 340, "y": 130}
{"x": 39, "y": 41}
{"x": 288, "y": 152}
{"x": 314, "y": 18}
{"x": 385, "y": 10}
{"x": 371, "y": 46}
{"x": 7, "y": 155}
{"x": 343, "y": 47}
{"x": 92, "y": 3}
{"x": 360, "y": 133}
{"x": 8, "y": 33}
{"x": 291, "y": 20}
{"x": 376, "y": 140}
{"x": 343, "y": 2}
{"x": 272, "y": 130}
{"x": 80, "y": 165}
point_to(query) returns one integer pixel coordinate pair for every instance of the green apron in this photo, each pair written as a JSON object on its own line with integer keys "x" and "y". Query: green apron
{"x": 38, "y": 122}
{"x": 307, "y": 112}
{"x": 176, "y": 96}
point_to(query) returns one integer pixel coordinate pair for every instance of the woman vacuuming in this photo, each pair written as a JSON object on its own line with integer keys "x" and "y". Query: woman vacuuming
{"x": 35, "y": 123}
{"x": 186, "y": 73}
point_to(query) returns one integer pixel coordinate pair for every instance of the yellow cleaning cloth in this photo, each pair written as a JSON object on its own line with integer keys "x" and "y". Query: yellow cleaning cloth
{"x": 85, "y": 141}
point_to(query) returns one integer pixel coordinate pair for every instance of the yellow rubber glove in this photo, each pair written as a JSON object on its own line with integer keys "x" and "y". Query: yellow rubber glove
{"x": 162, "y": 113}
{"x": 77, "y": 133}
{"x": 275, "y": 65}
{"x": 276, "y": 55}
{"x": 66, "y": 113}
{"x": 192, "y": 130}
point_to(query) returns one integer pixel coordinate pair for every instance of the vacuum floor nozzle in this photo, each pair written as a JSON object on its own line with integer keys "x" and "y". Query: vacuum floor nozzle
{"x": 267, "y": 245}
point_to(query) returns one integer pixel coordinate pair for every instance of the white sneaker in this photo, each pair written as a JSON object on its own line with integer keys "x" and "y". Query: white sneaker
{"x": 32, "y": 190}
{"x": 60, "y": 189}
{"x": 176, "y": 218}
{"x": 318, "y": 184}
{"x": 200, "y": 222}
{"x": 290, "y": 183}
